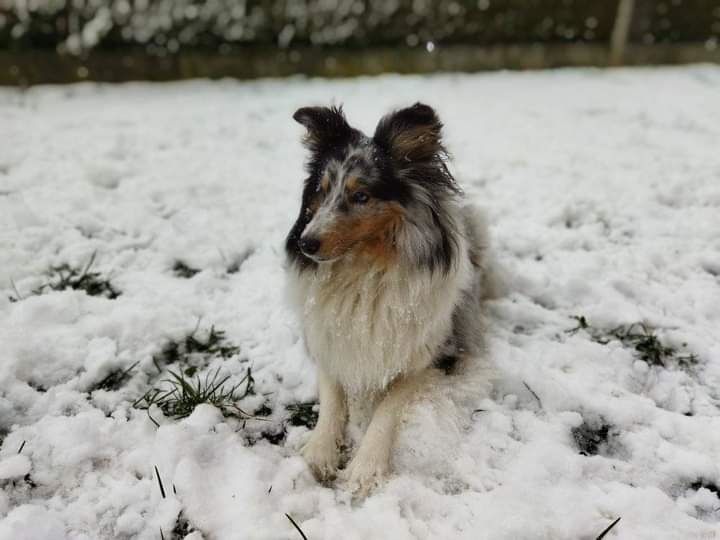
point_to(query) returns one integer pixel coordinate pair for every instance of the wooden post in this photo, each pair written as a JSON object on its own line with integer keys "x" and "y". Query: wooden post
{"x": 620, "y": 32}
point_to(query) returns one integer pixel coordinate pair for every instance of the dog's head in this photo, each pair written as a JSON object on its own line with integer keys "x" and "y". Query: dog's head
{"x": 361, "y": 192}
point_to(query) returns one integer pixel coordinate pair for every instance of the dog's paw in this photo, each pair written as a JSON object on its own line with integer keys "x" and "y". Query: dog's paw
{"x": 365, "y": 473}
{"x": 322, "y": 455}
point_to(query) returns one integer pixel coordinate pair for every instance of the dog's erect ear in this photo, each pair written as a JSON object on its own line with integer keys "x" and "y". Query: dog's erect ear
{"x": 411, "y": 134}
{"x": 325, "y": 126}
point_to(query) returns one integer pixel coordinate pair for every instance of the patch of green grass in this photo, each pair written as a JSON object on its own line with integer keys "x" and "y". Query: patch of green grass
{"x": 169, "y": 354}
{"x": 64, "y": 277}
{"x": 182, "y": 270}
{"x": 183, "y": 390}
{"x": 582, "y": 324}
{"x": 300, "y": 414}
{"x": 27, "y": 482}
{"x": 181, "y": 395}
{"x": 274, "y": 436}
{"x": 114, "y": 380}
{"x": 182, "y": 528}
{"x": 213, "y": 344}
{"x": 303, "y": 414}
{"x": 210, "y": 344}
{"x": 37, "y": 387}
{"x": 710, "y": 486}
{"x": 649, "y": 347}
{"x": 263, "y": 410}
{"x": 638, "y": 336}
{"x": 590, "y": 438}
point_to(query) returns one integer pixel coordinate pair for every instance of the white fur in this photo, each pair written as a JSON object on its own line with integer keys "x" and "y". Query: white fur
{"x": 365, "y": 328}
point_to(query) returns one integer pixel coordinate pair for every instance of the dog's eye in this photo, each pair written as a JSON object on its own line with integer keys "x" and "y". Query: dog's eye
{"x": 360, "y": 197}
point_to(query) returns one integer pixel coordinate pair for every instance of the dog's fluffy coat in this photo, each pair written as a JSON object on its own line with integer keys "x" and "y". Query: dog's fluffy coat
{"x": 388, "y": 271}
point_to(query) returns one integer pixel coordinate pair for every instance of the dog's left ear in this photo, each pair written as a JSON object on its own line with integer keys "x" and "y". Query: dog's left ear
{"x": 325, "y": 126}
{"x": 411, "y": 134}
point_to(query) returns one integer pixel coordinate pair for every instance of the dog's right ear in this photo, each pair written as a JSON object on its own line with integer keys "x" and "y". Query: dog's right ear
{"x": 326, "y": 126}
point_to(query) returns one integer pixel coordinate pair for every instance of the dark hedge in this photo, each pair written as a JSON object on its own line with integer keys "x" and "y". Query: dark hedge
{"x": 165, "y": 27}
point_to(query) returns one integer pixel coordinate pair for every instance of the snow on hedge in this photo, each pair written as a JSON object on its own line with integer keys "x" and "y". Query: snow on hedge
{"x": 166, "y": 26}
{"x": 141, "y": 230}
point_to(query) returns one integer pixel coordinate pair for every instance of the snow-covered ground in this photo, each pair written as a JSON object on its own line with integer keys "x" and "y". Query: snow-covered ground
{"x": 603, "y": 190}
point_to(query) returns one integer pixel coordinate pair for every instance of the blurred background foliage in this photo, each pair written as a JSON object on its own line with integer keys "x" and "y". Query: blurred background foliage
{"x": 333, "y": 37}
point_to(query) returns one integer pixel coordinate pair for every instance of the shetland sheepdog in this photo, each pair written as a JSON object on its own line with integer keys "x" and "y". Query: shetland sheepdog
{"x": 388, "y": 270}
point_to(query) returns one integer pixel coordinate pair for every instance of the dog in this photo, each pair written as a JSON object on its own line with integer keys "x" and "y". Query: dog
{"x": 388, "y": 271}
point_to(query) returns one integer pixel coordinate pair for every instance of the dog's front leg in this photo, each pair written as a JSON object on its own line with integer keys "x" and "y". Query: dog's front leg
{"x": 322, "y": 451}
{"x": 372, "y": 459}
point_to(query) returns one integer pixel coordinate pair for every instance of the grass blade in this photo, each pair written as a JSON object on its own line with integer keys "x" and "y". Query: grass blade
{"x": 296, "y": 526}
{"x": 607, "y": 530}
{"x": 162, "y": 488}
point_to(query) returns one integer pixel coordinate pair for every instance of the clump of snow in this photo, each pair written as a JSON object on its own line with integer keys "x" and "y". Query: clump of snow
{"x": 14, "y": 467}
{"x": 603, "y": 195}
{"x": 32, "y": 522}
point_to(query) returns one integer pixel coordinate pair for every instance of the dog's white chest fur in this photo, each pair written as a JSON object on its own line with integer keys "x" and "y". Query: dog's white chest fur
{"x": 365, "y": 329}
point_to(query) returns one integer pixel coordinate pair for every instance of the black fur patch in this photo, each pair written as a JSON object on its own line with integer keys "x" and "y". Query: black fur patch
{"x": 328, "y": 136}
{"x": 446, "y": 363}
{"x": 292, "y": 242}
{"x": 389, "y": 188}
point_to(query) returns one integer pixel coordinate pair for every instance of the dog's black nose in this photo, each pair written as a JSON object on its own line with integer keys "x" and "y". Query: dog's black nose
{"x": 309, "y": 246}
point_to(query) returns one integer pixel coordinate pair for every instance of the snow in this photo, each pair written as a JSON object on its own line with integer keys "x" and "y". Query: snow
{"x": 603, "y": 191}
{"x": 14, "y": 466}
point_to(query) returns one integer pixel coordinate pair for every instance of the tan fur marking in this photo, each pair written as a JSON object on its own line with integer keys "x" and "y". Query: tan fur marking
{"x": 371, "y": 235}
{"x": 325, "y": 183}
{"x": 352, "y": 184}
{"x": 417, "y": 143}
